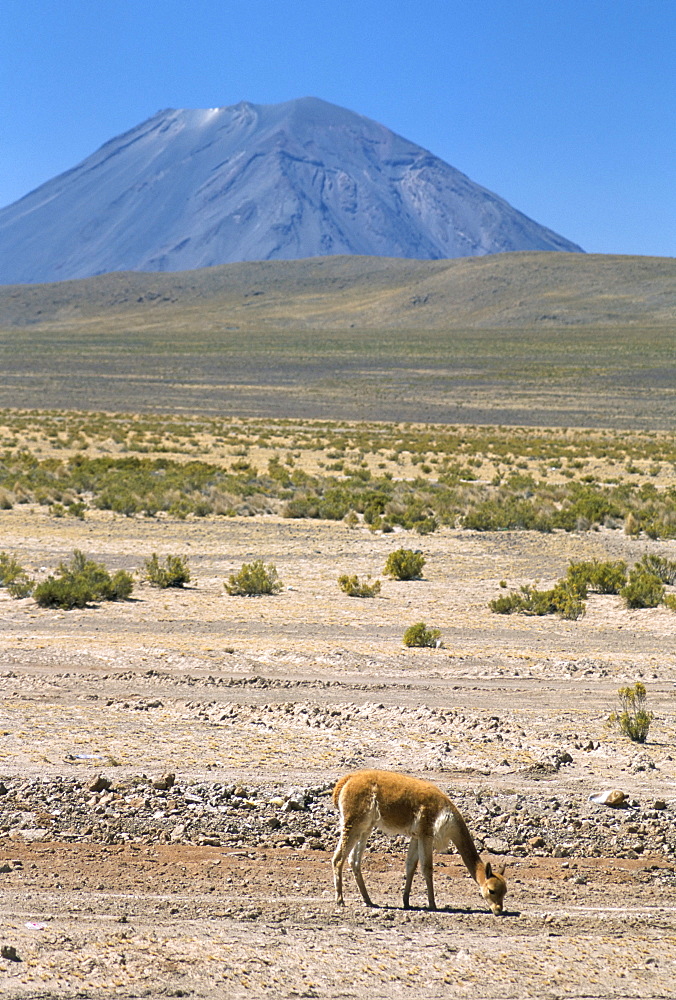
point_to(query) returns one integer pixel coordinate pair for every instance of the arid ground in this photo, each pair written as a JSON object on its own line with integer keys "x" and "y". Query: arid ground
{"x": 221, "y": 885}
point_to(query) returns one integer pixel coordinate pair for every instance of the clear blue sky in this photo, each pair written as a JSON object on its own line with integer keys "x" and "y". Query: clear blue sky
{"x": 566, "y": 108}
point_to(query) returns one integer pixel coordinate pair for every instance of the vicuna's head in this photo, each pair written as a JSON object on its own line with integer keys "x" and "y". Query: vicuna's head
{"x": 494, "y": 888}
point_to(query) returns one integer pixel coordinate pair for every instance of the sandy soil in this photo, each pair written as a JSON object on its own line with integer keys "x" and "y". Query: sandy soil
{"x": 220, "y": 888}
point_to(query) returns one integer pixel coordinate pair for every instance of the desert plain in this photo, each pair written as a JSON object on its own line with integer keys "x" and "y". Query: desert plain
{"x": 118, "y": 880}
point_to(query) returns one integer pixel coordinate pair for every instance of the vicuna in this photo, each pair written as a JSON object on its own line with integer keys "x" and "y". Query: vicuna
{"x": 397, "y": 804}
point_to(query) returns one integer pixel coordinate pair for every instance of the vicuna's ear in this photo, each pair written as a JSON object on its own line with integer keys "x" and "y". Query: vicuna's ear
{"x": 501, "y": 869}
{"x": 489, "y": 870}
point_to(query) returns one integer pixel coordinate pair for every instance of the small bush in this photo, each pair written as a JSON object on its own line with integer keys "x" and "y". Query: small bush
{"x": 21, "y": 586}
{"x": 567, "y": 601}
{"x": 604, "y": 577}
{"x": 661, "y": 567}
{"x": 9, "y": 569}
{"x": 420, "y": 635}
{"x": 633, "y": 719}
{"x": 564, "y": 599}
{"x": 253, "y": 580}
{"x": 174, "y": 573}
{"x": 508, "y": 604}
{"x": 81, "y": 582}
{"x": 643, "y": 589}
{"x": 63, "y": 592}
{"x": 353, "y": 588}
{"x": 404, "y": 564}
{"x": 14, "y": 577}
{"x": 670, "y": 601}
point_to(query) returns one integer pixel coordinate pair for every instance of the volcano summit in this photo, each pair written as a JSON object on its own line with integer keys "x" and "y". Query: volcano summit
{"x": 191, "y": 189}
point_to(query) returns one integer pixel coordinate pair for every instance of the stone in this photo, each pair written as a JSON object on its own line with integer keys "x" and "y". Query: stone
{"x": 99, "y": 784}
{"x": 496, "y": 846}
{"x": 293, "y": 805}
{"x": 610, "y": 797}
{"x": 166, "y": 782}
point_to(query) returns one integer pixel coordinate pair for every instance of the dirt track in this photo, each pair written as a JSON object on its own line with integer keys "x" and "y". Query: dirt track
{"x": 252, "y": 702}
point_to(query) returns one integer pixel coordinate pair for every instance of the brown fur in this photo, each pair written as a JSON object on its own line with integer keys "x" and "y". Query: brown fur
{"x": 399, "y": 804}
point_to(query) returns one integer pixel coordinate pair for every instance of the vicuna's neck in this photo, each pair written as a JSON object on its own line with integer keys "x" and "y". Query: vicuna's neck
{"x": 462, "y": 839}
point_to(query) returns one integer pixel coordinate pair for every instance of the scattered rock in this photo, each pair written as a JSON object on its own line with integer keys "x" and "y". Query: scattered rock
{"x": 99, "y": 784}
{"x": 293, "y": 804}
{"x": 8, "y": 951}
{"x": 166, "y": 782}
{"x": 496, "y": 846}
{"x": 610, "y": 797}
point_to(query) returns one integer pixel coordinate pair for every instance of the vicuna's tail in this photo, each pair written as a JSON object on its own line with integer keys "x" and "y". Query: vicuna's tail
{"x": 339, "y": 787}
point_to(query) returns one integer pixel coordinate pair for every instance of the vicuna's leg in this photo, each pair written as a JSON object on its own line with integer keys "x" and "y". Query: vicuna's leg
{"x": 411, "y": 865}
{"x": 348, "y": 838}
{"x": 355, "y": 862}
{"x": 425, "y": 852}
{"x": 351, "y": 844}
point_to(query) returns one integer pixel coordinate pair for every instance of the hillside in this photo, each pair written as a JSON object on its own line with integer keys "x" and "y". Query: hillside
{"x": 499, "y": 291}
{"x": 544, "y": 339}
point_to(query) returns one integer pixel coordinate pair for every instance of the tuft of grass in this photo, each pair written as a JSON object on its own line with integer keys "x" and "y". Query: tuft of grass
{"x": 174, "y": 572}
{"x": 405, "y": 564}
{"x": 254, "y": 580}
{"x": 420, "y": 635}
{"x": 633, "y": 719}
{"x": 351, "y": 586}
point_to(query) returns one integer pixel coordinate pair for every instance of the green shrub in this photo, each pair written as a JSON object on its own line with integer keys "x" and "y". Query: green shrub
{"x": 643, "y": 589}
{"x": 253, "y": 580}
{"x": 81, "y": 582}
{"x": 507, "y": 604}
{"x": 426, "y": 525}
{"x": 404, "y": 564}
{"x": 670, "y": 601}
{"x": 507, "y": 514}
{"x": 661, "y": 567}
{"x": 21, "y": 586}
{"x": 14, "y": 577}
{"x": 632, "y": 719}
{"x": 9, "y": 569}
{"x": 174, "y": 572}
{"x": 564, "y": 599}
{"x": 604, "y": 577}
{"x": 353, "y": 588}
{"x": 420, "y": 635}
{"x": 568, "y": 601}
{"x": 63, "y": 592}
